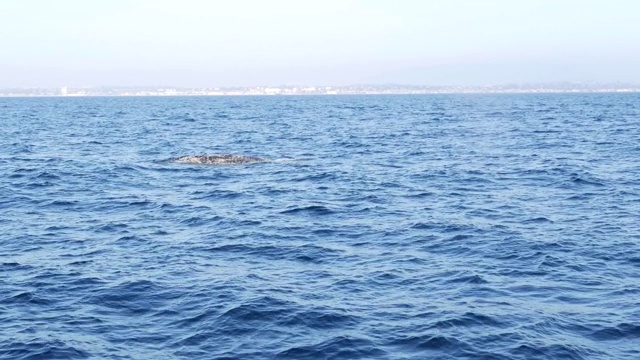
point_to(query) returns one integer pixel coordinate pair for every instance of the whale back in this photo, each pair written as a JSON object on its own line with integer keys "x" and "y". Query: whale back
{"x": 219, "y": 159}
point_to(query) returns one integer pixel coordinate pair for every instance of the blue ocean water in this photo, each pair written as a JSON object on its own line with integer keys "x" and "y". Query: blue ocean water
{"x": 388, "y": 227}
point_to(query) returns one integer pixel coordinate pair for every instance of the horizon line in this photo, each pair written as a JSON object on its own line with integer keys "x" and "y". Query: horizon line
{"x": 376, "y": 85}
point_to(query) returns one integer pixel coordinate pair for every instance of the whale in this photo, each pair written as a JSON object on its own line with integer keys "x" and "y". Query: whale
{"x": 219, "y": 159}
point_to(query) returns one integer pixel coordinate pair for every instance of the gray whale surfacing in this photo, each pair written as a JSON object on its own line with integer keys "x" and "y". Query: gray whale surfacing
{"x": 219, "y": 159}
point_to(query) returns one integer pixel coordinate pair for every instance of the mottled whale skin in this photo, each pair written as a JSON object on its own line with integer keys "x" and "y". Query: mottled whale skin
{"x": 219, "y": 159}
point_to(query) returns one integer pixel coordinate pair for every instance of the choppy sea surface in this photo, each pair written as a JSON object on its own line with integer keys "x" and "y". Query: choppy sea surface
{"x": 387, "y": 227}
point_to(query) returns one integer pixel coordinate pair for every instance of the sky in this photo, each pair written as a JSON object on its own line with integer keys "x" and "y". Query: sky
{"x": 222, "y": 43}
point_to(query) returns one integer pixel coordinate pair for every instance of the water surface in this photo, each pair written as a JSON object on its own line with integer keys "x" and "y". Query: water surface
{"x": 406, "y": 227}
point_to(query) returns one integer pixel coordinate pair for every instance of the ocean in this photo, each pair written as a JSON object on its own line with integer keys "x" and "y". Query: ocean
{"x": 499, "y": 226}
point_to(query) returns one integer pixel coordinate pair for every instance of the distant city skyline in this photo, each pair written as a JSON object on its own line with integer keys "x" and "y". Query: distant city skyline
{"x": 389, "y": 89}
{"x": 197, "y": 43}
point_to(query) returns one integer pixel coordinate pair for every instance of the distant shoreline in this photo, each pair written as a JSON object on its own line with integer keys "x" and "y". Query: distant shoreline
{"x": 635, "y": 91}
{"x": 561, "y": 88}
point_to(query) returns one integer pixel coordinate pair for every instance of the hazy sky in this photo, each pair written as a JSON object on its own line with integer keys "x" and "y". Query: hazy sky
{"x": 303, "y": 42}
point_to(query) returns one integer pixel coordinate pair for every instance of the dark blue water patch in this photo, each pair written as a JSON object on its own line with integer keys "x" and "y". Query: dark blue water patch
{"x": 26, "y": 297}
{"x": 339, "y": 347}
{"x": 431, "y": 345}
{"x": 134, "y": 298}
{"x": 46, "y": 176}
{"x": 425, "y": 226}
{"x": 468, "y": 279}
{"x": 38, "y": 349}
{"x": 80, "y": 263}
{"x": 218, "y": 194}
{"x": 199, "y": 221}
{"x": 583, "y": 196}
{"x": 317, "y": 177}
{"x": 312, "y": 210}
{"x": 110, "y": 228}
{"x": 581, "y": 181}
{"x": 538, "y": 220}
{"x": 13, "y": 266}
{"x": 619, "y": 332}
{"x": 62, "y": 203}
{"x": 402, "y": 227}
{"x": 468, "y": 320}
{"x": 634, "y": 260}
{"x": 141, "y": 203}
{"x": 321, "y": 318}
{"x": 306, "y": 253}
